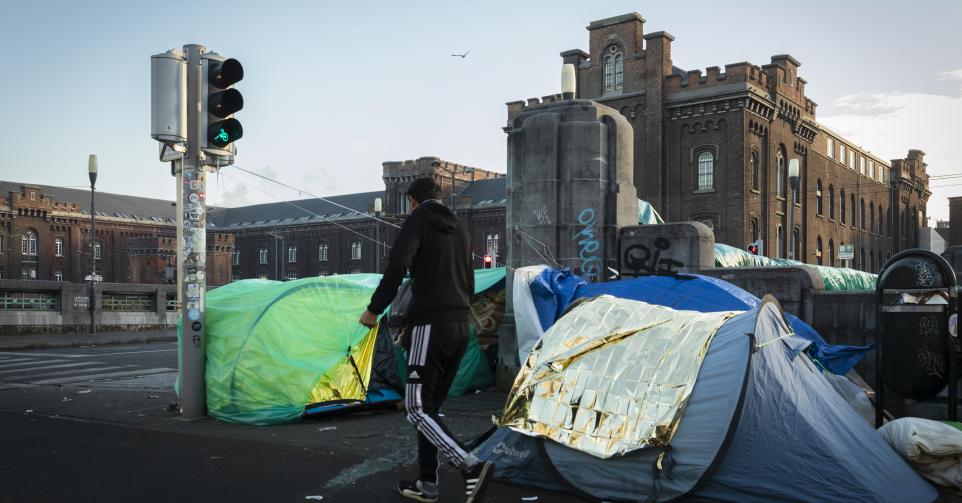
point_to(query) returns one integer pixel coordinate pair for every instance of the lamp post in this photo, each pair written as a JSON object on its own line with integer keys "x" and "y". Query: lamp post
{"x": 453, "y": 171}
{"x": 92, "y": 172}
{"x": 793, "y": 180}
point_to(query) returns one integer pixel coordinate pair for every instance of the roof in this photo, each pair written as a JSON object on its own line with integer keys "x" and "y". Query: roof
{"x": 293, "y": 212}
{"x": 490, "y": 192}
{"x": 108, "y": 204}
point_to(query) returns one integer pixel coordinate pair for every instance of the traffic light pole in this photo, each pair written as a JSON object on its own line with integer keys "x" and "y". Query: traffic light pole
{"x": 191, "y": 273}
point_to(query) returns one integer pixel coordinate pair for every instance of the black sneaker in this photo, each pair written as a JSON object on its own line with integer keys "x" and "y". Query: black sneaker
{"x": 418, "y": 491}
{"x": 476, "y": 482}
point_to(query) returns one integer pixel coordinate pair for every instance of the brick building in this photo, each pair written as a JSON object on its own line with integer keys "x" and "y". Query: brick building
{"x": 715, "y": 147}
{"x": 45, "y": 235}
{"x": 313, "y": 237}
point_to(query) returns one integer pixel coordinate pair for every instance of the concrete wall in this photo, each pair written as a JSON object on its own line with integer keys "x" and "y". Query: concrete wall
{"x": 680, "y": 246}
{"x": 72, "y": 313}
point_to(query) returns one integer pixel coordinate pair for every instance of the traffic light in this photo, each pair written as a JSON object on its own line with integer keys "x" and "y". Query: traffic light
{"x": 219, "y": 102}
{"x": 753, "y": 249}
{"x": 756, "y": 248}
{"x": 488, "y": 261}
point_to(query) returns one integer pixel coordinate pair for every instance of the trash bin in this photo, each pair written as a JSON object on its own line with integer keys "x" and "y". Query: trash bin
{"x": 916, "y": 296}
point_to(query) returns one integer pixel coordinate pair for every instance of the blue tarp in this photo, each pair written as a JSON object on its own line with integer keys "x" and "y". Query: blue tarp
{"x": 554, "y": 290}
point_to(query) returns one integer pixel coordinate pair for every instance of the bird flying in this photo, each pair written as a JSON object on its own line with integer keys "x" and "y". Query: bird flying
{"x": 462, "y": 56}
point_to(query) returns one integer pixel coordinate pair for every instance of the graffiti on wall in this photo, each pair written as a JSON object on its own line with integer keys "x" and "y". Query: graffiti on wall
{"x": 639, "y": 259}
{"x": 588, "y": 246}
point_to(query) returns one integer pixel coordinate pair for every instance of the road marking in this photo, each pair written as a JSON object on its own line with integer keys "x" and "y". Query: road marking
{"x": 77, "y": 371}
{"x": 44, "y": 367}
{"x": 32, "y": 362}
{"x": 131, "y": 352}
{"x": 112, "y": 375}
{"x": 47, "y": 355}
{"x": 4, "y": 362}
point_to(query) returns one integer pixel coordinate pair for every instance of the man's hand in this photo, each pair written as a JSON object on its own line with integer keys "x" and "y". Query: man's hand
{"x": 368, "y": 319}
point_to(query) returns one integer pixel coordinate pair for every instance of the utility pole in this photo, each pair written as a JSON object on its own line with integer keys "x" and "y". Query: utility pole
{"x": 192, "y": 104}
{"x": 92, "y": 173}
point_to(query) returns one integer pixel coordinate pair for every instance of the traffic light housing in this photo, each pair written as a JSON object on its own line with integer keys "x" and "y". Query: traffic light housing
{"x": 756, "y": 248}
{"x": 753, "y": 249}
{"x": 219, "y": 102}
{"x": 488, "y": 261}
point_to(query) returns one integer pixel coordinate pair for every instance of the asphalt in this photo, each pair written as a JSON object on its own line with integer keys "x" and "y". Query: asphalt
{"x": 40, "y": 341}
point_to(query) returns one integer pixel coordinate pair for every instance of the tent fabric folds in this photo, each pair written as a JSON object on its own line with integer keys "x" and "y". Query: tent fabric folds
{"x": 274, "y": 348}
{"x": 761, "y": 424}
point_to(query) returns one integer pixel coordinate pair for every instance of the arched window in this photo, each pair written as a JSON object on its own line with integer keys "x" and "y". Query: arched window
{"x": 58, "y": 276}
{"x": 614, "y": 69}
{"x": 355, "y": 250}
{"x": 753, "y": 230}
{"x": 818, "y": 197}
{"x": 854, "y": 209}
{"x": 871, "y": 217}
{"x": 706, "y": 171}
{"x": 861, "y": 206}
{"x": 871, "y": 261}
{"x": 818, "y": 250}
{"x": 292, "y": 254}
{"x": 754, "y": 169}
{"x": 861, "y": 261}
{"x": 779, "y": 242}
{"x": 841, "y": 206}
{"x": 831, "y": 252}
{"x": 796, "y": 245}
{"x": 780, "y": 177}
{"x": 488, "y": 243}
{"x": 322, "y": 252}
{"x": 881, "y": 223}
{"x": 58, "y": 247}
{"x": 831, "y": 201}
{"x": 494, "y": 249}
{"x": 98, "y": 247}
{"x": 262, "y": 255}
{"x": 28, "y": 243}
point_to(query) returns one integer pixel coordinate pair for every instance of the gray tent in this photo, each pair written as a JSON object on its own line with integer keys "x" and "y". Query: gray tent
{"x": 761, "y": 424}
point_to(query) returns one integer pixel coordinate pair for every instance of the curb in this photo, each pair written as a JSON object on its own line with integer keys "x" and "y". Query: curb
{"x": 86, "y": 342}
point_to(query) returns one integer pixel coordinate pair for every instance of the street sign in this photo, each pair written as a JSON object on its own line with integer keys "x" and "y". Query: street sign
{"x": 846, "y": 252}
{"x": 172, "y": 151}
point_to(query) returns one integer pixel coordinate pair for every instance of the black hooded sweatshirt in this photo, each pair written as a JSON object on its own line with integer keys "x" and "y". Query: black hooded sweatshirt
{"x": 437, "y": 250}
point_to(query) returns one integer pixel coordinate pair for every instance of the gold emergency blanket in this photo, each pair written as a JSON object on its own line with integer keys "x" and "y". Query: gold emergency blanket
{"x": 611, "y": 376}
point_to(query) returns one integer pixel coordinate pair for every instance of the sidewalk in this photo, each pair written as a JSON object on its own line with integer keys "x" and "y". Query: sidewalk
{"x": 11, "y": 342}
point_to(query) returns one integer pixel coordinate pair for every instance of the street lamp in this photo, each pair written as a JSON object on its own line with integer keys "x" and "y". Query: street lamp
{"x": 92, "y": 172}
{"x": 793, "y": 180}
{"x": 378, "y": 206}
{"x": 453, "y": 171}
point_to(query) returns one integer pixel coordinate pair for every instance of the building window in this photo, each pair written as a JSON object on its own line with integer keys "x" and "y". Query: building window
{"x": 754, "y": 169}
{"x": 841, "y": 206}
{"x": 28, "y": 243}
{"x": 262, "y": 275}
{"x": 862, "y": 214}
{"x": 322, "y": 252}
{"x": 854, "y": 209}
{"x": 290, "y": 276}
{"x": 262, "y": 255}
{"x": 818, "y": 250}
{"x": 831, "y": 148}
{"x": 753, "y": 230}
{"x": 496, "y": 247}
{"x": 355, "y": 250}
{"x": 871, "y": 169}
{"x": 831, "y": 252}
{"x": 614, "y": 69}
{"x": 843, "y": 154}
{"x": 322, "y": 272}
{"x": 97, "y": 248}
{"x": 708, "y": 223}
{"x": 818, "y": 197}
{"x": 291, "y": 254}
{"x": 235, "y": 260}
{"x": 28, "y": 273}
{"x": 58, "y": 247}
{"x": 861, "y": 261}
{"x": 58, "y": 276}
{"x": 33, "y": 196}
{"x": 861, "y": 165}
{"x": 881, "y": 225}
{"x": 706, "y": 171}
{"x": 779, "y": 242}
{"x": 796, "y": 245}
{"x": 780, "y": 178}
{"x": 1, "y": 245}
{"x": 831, "y": 201}
{"x": 851, "y": 160}
{"x": 871, "y": 217}
{"x": 354, "y": 270}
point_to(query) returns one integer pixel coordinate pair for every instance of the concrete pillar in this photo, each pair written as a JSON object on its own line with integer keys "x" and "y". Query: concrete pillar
{"x": 570, "y": 187}
{"x": 955, "y": 221}
{"x": 666, "y": 248}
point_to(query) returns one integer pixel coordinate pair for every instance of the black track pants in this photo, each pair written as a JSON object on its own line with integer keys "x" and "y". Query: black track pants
{"x": 433, "y": 360}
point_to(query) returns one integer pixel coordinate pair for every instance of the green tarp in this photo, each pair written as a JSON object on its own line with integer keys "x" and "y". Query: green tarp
{"x": 275, "y": 347}
{"x": 834, "y": 278}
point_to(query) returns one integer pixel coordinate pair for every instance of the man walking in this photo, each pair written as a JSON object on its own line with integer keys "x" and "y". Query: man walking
{"x": 437, "y": 250}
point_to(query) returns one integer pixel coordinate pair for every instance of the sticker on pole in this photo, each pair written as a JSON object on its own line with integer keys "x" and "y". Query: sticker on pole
{"x": 193, "y": 314}
{"x": 954, "y": 325}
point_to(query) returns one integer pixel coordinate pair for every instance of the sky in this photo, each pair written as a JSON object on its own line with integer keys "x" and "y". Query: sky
{"x": 333, "y": 89}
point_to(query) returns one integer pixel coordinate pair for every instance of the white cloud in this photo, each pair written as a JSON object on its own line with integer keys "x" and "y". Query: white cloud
{"x": 951, "y": 75}
{"x": 889, "y": 124}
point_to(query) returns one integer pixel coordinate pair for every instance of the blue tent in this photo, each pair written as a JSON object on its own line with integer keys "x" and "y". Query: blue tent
{"x": 761, "y": 425}
{"x": 554, "y": 290}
